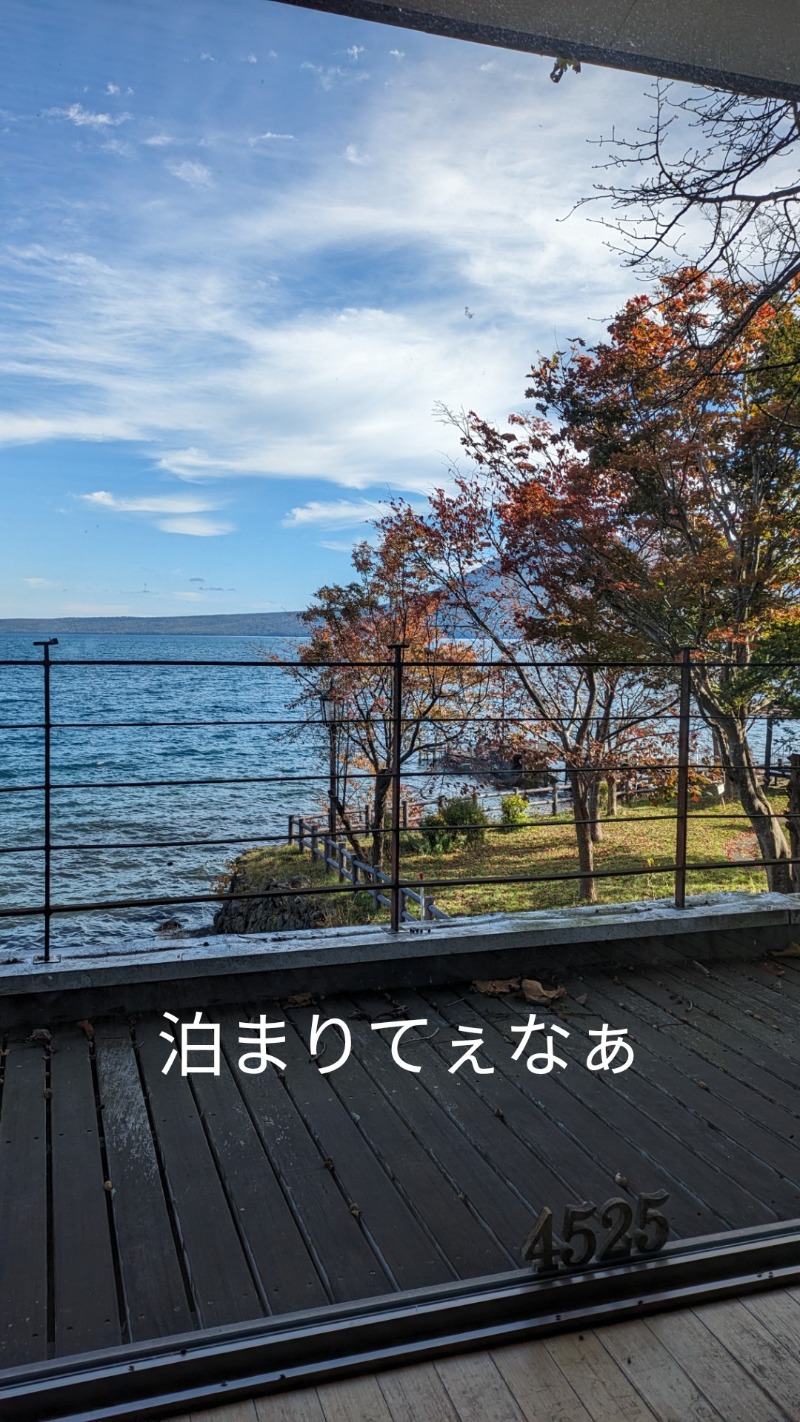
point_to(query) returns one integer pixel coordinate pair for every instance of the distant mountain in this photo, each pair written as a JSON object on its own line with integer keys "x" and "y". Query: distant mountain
{"x": 236, "y": 624}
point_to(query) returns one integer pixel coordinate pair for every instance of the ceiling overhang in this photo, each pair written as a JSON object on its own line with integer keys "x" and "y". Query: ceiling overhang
{"x": 726, "y": 44}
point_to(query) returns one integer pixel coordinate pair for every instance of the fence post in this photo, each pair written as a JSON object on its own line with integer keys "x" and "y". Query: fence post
{"x": 792, "y": 814}
{"x": 45, "y": 646}
{"x": 291, "y": 829}
{"x": 682, "y": 814}
{"x": 768, "y": 754}
{"x": 554, "y": 804}
{"x": 314, "y": 833}
{"x": 397, "y": 710}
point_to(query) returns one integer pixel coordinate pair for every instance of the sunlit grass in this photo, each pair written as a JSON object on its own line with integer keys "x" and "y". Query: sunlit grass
{"x": 636, "y": 845}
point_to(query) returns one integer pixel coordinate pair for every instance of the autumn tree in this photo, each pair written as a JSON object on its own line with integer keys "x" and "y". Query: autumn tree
{"x": 353, "y": 630}
{"x": 581, "y": 710}
{"x": 667, "y": 494}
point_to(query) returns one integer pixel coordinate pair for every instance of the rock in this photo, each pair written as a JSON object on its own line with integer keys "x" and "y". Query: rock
{"x": 285, "y": 911}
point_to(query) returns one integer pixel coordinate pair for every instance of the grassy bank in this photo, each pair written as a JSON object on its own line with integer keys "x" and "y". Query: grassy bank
{"x": 643, "y": 838}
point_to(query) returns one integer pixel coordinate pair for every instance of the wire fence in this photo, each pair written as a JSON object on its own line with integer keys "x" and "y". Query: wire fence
{"x": 417, "y": 742}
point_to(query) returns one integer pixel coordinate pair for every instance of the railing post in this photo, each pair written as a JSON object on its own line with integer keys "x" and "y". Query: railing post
{"x": 768, "y": 754}
{"x": 291, "y": 829}
{"x": 793, "y": 819}
{"x": 682, "y": 815}
{"x": 45, "y": 646}
{"x": 397, "y": 710}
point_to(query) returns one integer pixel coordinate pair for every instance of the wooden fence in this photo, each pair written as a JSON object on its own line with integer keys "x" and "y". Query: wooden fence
{"x": 307, "y": 835}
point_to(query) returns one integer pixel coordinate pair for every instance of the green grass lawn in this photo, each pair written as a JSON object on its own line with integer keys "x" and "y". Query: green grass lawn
{"x": 641, "y": 838}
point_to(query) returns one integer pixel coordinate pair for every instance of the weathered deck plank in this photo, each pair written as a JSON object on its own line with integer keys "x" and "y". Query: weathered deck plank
{"x": 235, "y": 1196}
{"x": 23, "y": 1204}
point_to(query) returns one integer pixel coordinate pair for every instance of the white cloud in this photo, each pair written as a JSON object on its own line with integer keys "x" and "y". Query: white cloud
{"x": 269, "y": 137}
{"x": 159, "y": 140}
{"x": 397, "y": 53}
{"x": 191, "y": 342}
{"x": 39, "y": 583}
{"x": 250, "y": 59}
{"x": 158, "y": 503}
{"x": 84, "y": 118}
{"x": 112, "y": 88}
{"x": 355, "y": 52}
{"x": 195, "y": 527}
{"x": 331, "y": 513}
{"x": 353, "y": 155}
{"x": 197, "y": 175}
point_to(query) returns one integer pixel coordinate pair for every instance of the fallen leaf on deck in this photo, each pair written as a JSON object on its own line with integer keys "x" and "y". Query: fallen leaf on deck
{"x": 86, "y": 1027}
{"x": 299, "y": 999}
{"x": 582, "y": 999}
{"x": 533, "y": 991}
{"x": 793, "y": 951}
{"x": 496, "y": 987}
{"x": 355, "y": 1210}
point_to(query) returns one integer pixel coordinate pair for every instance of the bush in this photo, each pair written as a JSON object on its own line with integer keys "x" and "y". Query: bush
{"x": 514, "y": 810}
{"x": 458, "y": 822}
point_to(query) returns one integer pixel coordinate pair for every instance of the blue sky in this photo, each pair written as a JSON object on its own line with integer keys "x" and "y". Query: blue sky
{"x": 245, "y": 251}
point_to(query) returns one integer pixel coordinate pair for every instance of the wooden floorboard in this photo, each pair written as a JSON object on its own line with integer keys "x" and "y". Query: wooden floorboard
{"x": 85, "y": 1299}
{"x": 156, "y": 1298}
{"x": 136, "y": 1203}
{"x": 713, "y": 1363}
{"x": 23, "y": 1203}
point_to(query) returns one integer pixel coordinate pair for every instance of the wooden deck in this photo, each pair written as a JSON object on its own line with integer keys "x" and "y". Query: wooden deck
{"x": 735, "y": 1361}
{"x": 136, "y": 1205}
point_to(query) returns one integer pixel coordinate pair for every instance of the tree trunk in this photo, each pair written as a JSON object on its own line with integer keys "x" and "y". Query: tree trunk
{"x": 350, "y": 830}
{"x": 738, "y": 764}
{"x": 793, "y": 819}
{"x": 580, "y": 810}
{"x": 611, "y": 786}
{"x": 593, "y": 799}
{"x": 380, "y": 838}
{"x": 728, "y": 786}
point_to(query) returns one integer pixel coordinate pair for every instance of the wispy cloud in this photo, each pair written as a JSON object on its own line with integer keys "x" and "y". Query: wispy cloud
{"x": 331, "y": 513}
{"x": 194, "y": 527}
{"x": 84, "y": 118}
{"x": 157, "y": 503}
{"x": 197, "y": 175}
{"x": 354, "y": 155}
{"x": 269, "y": 137}
{"x": 185, "y": 512}
{"x": 39, "y": 583}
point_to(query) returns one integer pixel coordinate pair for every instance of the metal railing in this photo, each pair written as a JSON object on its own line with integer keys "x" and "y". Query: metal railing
{"x": 395, "y": 891}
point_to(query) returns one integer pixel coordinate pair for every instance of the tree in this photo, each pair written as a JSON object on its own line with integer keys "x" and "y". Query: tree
{"x": 581, "y": 713}
{"x": 353, "y": 630}
{"x": 722, "y": 171}
{"x": 667, "y": 496}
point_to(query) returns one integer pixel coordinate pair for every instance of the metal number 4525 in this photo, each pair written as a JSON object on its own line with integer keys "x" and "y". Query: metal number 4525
{"x": 624, "y": 1227}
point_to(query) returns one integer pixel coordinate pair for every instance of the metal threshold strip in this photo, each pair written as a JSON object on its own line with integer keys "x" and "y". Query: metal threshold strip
{"x": 151, "y": 1380}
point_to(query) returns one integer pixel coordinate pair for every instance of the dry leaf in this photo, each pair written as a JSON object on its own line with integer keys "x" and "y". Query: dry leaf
{"x": 582, "y": 999}
{"x": 533, "y": 991}
{"x": 701, "y": 967}
{"x": 355, "y": 1210}
{"x": 496, "y": 987}
{"x": 793, "y": 951}
{"x": 299, "y": 999}
{"x": 704, "y": 1085}
{"x": 87, "y": 1028}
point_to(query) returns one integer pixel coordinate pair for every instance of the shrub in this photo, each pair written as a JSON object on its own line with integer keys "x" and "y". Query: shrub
{"x": 459, "y": 821}
{"x": 514, "y": 809}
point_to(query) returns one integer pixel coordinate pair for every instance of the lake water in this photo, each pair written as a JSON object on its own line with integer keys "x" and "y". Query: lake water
{"x": 94, "y": 755}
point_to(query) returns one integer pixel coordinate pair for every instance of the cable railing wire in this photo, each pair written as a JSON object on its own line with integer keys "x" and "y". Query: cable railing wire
{"x": 393, "y": 717}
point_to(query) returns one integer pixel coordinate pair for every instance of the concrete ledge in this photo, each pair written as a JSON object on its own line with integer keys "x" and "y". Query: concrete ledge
{"x": 200, "y": 973}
